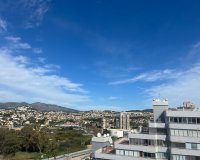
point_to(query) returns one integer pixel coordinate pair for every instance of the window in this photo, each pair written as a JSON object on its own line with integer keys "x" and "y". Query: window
{"x": 198, "y": 146}
{"x": 171, "y": 119}
{"x": 180, "y": 132}
{"x": 190, "y": 133}
{"x": 194, "y": 121}
{"x": 188, "y": 146}
{"x": 175, "y": 119}
{"x": 194, "y": 146}
{"x": 176, "y": 132}
{"x": 172, "y": 132}
{"x": 136, "y": 154}
{"x": 180, "y": 120}
{"x": 184, "y": 120}
{"x": 194, "y": 133}
{"x": 126, "y": 153}
{"x": 161, "y": 155}
{"x": 198, "y": 120}
{"x": 121, "y": 152}
{"x": 189, "y": 120}
{"x": 131, "y": 153}
{"x": 160, "y": 143}
{"x": 198, "y": 133}
{"x": 185, "y": 133}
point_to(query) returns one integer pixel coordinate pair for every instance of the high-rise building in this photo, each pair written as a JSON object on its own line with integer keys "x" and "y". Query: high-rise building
{"x": 116, "y": 122}
{"x": 174, "y": 134}
{"x": 103, "y": 122}
{"x": 125, "y": 120}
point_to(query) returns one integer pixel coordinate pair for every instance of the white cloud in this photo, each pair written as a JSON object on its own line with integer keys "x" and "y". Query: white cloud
{"x": 37, "y": 50}
{"x": 113, "y": 98}
{"x": 41, "y": 59}
{"x": 29, "y": 13}
{"x": 104, "y": 107}
{"x": 16, "y": 43}
{"x": 3, "y": 25}
{"x": 36, "y": 10}
{"x": 21, "y": 59}
{"x": 19, "y": 82}
{"x": 150, "y": 77}
{"x": 184, "y": 87}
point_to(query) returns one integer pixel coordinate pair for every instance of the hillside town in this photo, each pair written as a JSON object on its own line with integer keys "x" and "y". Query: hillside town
{"x": 24, "y": 115}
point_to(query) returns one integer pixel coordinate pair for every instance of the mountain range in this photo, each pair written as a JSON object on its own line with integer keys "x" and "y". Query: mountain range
{"x": 37, "y": 106}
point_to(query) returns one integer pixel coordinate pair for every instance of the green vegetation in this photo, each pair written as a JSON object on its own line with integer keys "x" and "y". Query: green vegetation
{"x": 34, "y": 142}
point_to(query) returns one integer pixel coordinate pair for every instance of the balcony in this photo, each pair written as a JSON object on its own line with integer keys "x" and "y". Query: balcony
{"x": 183, "y": 113}
{"x": 119, "y": 157}
{"x": 182, "y": 139}
{"x": 187, "y": 152}
{"x": 184, "y": 126}
{"x": 147, "y": 136}
{"x": 150, "y": 149}
{"x": 156, "y": 125}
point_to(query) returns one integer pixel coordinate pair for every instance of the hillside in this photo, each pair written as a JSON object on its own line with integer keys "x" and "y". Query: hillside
{"x": 37, "y": 106}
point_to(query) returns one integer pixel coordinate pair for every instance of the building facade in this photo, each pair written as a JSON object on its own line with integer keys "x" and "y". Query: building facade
{"x": 125, "y": 121}
{"x": 174, "y": 134}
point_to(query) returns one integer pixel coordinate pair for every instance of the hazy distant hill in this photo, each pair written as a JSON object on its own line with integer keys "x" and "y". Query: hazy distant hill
{"x": 37, "y": 106}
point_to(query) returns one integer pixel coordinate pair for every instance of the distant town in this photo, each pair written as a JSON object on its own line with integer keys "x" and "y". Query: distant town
{"x": 20, "y": 116}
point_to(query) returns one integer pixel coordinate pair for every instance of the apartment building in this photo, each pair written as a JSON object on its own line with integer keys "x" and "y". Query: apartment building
{"x": 125, "y": 120}
{"x": 174, "y": 134}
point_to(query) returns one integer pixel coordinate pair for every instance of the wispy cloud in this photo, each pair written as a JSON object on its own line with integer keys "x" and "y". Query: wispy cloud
{"x": 37, "y": 9}
{"x": 113, "y": 98}
{"x": 23, "y": 80}
{"x": 16, "y": 43}
{"x": 104, "y": 107}
{"x": 3, "y": 25}
{"x": 150, "y": 76}
{"x": 37, "y": 50}
{"x": 184, "y": 87}
{"x": 30, "y": 13}
{"x": 194, "y": 54}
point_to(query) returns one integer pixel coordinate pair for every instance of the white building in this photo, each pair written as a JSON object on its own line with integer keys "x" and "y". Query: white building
{"x": 174, "y": 134}
{"x": 125, "y": 121}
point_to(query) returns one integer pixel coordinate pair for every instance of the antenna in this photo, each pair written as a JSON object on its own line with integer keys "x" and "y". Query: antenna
{"x": 159, "y": 95}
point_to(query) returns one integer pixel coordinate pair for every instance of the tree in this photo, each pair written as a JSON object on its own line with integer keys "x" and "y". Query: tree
{"x": 9, "y": 143}
{"x": 51, "y": 149}
{"x": 41, "y": 138}
{"x": 27, "y": 138}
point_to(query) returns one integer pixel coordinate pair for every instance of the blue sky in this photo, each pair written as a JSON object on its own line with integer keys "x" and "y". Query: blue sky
{"x": 99, "y": 54}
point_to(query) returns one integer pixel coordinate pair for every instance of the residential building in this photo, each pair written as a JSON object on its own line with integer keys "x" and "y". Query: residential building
{"x": 124, "y": 120}
{"x": 174, "y": 134}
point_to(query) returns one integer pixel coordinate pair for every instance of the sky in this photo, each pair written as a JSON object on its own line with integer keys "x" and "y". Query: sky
{"x": 100, "y": 54}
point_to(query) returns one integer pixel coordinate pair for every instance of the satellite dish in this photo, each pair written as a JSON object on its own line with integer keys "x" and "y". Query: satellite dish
{"x": 98, "y": 134}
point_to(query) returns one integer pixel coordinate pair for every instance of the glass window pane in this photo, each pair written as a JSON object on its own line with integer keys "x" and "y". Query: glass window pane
{"x": 194, "y": 121}
{"x": 190, "y": 120}
{"x": 185, "y": 133}
{"x": 188, "y": 146}
{"x": 194, "y": 133}
{"x": 180, "y": 132}
{"x": 198, "y": 120}
{"x": 184, "y": 120}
